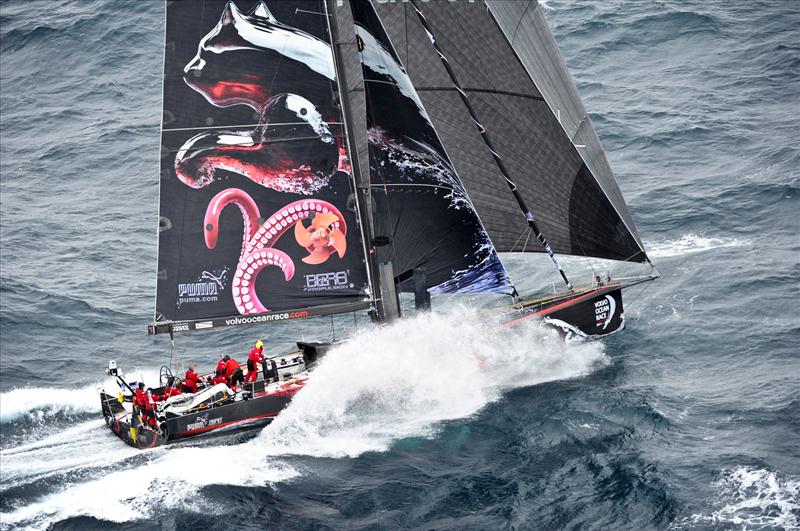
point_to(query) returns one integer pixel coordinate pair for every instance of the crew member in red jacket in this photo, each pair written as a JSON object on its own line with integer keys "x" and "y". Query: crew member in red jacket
{"x": 255, "y": 358}
{"x": 190, "y": 380}
{"x": 220, "y": 372}
{"x": 168, "y": 392}
{"x": 146, "y": 406}
{"x": 233, "y": 371}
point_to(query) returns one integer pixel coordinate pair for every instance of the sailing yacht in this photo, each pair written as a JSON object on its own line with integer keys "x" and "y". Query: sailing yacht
{"x": 320, "y": 157}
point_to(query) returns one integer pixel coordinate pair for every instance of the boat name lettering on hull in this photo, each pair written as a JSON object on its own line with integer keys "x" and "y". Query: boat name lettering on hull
{"x": 203, "y": 422}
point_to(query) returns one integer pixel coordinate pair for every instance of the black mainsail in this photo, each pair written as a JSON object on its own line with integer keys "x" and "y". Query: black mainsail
{"x": 297, "y": 134}
{"x": 257, "y": 217}
{"x": 420, "y": 202}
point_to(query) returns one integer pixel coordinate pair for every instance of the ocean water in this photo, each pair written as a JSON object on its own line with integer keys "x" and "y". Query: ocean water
{"x": 689, "y": 419}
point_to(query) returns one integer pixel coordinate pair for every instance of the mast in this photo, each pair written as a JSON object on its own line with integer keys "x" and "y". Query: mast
{"x": 529, "y": 216}
{"x": 361, "y": 182}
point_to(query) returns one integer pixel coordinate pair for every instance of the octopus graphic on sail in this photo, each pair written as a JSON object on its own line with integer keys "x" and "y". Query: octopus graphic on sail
{"x": 273, "y": 127}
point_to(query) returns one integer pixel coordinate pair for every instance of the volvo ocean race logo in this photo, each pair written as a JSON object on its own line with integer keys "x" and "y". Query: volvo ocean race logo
{"x": 334, "y": 280}
{"x": 207, "y": 288}
{"x": 604, "y": 311}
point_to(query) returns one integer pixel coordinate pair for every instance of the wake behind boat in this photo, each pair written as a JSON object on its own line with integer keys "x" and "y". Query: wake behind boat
{"x": 359, "y": 170}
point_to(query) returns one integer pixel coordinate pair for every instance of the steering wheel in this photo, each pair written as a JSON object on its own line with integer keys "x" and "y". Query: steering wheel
{"x": 165, "y": 376}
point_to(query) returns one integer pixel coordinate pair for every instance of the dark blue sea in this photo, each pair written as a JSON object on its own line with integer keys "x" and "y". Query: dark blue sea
{"x": 688, "y": 419}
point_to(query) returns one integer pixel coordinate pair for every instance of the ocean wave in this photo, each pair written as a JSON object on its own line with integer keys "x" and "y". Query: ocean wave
{"x": 692, "y": 243}
{"x": 755, "y": 498}
{"x": 681, "y": 21}
{"x": 168, "y": 480}
{"x": 40, "y": 403}
{"x": 27, "y": 303}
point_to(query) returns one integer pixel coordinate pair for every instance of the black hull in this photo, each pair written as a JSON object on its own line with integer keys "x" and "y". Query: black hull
{"x": 253, "y": 412}
{"x": 267, "y": 400}
{"x": 590, "y": 313}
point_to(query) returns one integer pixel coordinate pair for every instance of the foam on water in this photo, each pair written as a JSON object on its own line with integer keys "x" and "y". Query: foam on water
{"x": 755, "y": 498}
{"x": 384, "y": 384}
{"x": 38, "y": 404}
{"x": 404, "y": 380}
{"x": 692, "y": 243}
{"x": 170, "y": 479}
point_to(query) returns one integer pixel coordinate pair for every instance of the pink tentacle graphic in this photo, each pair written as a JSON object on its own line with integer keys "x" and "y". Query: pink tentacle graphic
{"x": 324, "y": 237}
{"x": 244, "y": 281}
{"x": 248, "y": 207}
{"x": 286, "y": 218}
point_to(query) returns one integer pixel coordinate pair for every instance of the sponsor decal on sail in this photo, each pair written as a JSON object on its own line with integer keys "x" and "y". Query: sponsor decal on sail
{"x": 206, "y": 288}
{"x": 330, "y": 281}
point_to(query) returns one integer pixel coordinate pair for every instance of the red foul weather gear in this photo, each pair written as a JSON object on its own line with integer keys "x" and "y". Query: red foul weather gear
{"x": 190, "y": 381}
{"x": 255, "y": 357}
{"x": 230, "y": 367}
{"x": 140, "y": 399}
{"x": 234, "y": 373}
{"x": 168, "y": 392}
{"x": 146, "y": 406}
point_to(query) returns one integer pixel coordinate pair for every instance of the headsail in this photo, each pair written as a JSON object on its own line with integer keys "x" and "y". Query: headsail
{"x": 257, "y": 210}
{"x": 420, "y": 202}
{"x": 508, "y": 65}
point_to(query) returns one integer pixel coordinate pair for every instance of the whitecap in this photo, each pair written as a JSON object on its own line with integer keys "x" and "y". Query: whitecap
{"x": 692, "y": 243}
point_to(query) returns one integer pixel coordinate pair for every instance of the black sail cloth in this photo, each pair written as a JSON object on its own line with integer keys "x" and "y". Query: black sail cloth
{"x": 501, "y": 56}
{"x": 419, "y": 200}
{"x": 256, "y": 210}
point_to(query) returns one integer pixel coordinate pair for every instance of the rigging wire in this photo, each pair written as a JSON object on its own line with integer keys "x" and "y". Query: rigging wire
{"x": 280, "y": 56}
{"x": 636, "y": 298}
{"x": 524, "y": 233}
{"x": 525, "y": 245}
